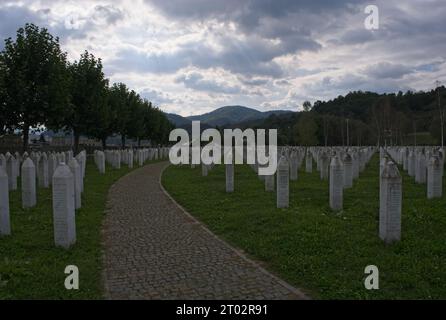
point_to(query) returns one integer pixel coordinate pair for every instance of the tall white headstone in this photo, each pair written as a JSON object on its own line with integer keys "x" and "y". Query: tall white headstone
{"x": 283, "y": 183}
{"x": 390, "y": 213}
{"x": 204, "y": 170}
{"x": 269, "y": 183}
{"x": 42, "y": 171}
{"x": 323, "y": 166}
{"x": 101, "y": 162}
{"x": 64, "y": 207}
{"x": 348, "y": 171}
{"x": 336, "y": 184}
{"x": 52, "y": 166}
{"x": 77, "y": 176}
{"x": 130, "y": 159}
{"x": 434, "y": 178}
{"x": 11, "y": 171}
{"x": 29, "y": 198}
{"x": 308, "y": 163}
{"x": 5, "y": 225}
{"x": 294, "y": 166}
{"x": 411, "y": 164}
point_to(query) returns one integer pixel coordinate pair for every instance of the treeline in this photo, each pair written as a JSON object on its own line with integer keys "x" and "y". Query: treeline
{"x": 364, "y": 118}
{"x": 39, "y": 87}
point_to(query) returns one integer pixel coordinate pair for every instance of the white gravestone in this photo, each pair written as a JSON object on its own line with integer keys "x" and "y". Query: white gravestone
{"x": 52, "y": 166}
{"x": 77, "y": 176}
{"x": 308, "y": 163}
{"x": 5, "y": 225}
{"x": 283, "y": 183}
{"x": 42, "y": 169}
{"x": 323, "y": 167}
{"x": 336, "y": 184}
{"x": 390, "y": 213}
{"x": 229, "y": 177}
{"x": 29, "y": 198}
{"x": 434, "y": 178}
{"x": 420, "y": 174}
{"x": 269, "y": 183}
{"x": 64, "y": 221}
{"x": 130, "y": 159}
{"x": 348, "y": 171}
{"x": 101, "y": 162}
{"x": 294, "y": 166}
{"x": 411, "y": 164}
{"x": 204, "y": 170}
{"x": 11, "y": 172}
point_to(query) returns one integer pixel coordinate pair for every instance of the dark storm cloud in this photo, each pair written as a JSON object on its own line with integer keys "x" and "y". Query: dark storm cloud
{"x": 384, "y": 70}
{"x": 253, "y": 57}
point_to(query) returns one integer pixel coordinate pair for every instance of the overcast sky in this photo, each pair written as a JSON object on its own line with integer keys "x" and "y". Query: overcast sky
{"x": 192, "y": 56}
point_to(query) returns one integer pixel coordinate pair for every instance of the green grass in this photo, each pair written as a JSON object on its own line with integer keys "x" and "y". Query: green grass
{"x": 31, "y": 267}
{"x": 312, "y": 247}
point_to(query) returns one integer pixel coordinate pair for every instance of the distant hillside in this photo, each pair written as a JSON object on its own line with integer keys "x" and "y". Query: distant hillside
{"x": 225, "y": 116}
{"x": 178, "y": 121}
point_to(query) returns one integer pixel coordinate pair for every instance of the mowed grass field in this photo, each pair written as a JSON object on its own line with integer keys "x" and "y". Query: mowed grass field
{"x": 31, "y": 267}
{"x": 322, "y": 252}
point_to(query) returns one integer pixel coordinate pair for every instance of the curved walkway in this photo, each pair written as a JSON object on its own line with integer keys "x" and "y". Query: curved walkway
{"x": 155, "y": 250}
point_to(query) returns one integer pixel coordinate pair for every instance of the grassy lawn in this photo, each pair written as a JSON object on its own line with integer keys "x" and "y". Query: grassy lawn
{"x": 31, "y": 267}
{"x": 313, "y": 248}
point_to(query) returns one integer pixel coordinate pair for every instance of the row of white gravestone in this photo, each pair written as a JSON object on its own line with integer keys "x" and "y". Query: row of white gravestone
{"x": 67, "y": 186}
{"x": 128, "y": 157}
{"x": 342, "y": 166}
{"x": 425, "y": 164}
{"x": 47, "y": 172}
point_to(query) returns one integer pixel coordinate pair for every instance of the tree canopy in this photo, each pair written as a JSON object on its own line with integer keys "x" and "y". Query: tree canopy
{"x": 39, "y": 87}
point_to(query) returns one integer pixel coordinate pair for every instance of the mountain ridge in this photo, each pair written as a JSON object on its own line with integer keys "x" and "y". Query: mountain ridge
{"x": 223, "y": 116}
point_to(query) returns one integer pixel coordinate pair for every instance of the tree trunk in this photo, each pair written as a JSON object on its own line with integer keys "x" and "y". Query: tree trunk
{"x": 25, "y": 137}
{"x": 76, "y": 141}
{"x": 123, "y": 141}
{"x": 104, "y": 143}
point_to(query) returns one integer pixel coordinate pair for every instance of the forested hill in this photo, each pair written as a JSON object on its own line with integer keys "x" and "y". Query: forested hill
{"x": 363, "y": 118}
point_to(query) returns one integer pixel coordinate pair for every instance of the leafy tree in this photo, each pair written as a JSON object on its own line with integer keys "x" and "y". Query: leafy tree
{"x": 35, "y": 80}
{"x": 307, "y": 106}
{"x": 306, "y": 129}
{"x": 88, "y": 97}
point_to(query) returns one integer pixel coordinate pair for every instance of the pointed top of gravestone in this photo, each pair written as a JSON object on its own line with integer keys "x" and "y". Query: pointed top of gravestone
{"x": 434, "y": 161}
{"x": 28, "y": 163}
{"x": 391, "y": 171}
{"x": 283, "y": 162}
{"x": 347, "y": 158}
{"x": 335, "y": 162}
{"x": 73, "y": 163}
{"x": 62, "y": 171}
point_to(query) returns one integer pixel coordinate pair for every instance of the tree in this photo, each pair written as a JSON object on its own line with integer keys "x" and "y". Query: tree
{"x": 88, "y": 97}
{"x": 307, "y": 106}
{"x": 35, "y": 80}
{"x": 306, "y": 130}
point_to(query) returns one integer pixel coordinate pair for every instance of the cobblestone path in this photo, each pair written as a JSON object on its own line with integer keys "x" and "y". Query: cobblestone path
{"x": 154, "y": 250}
